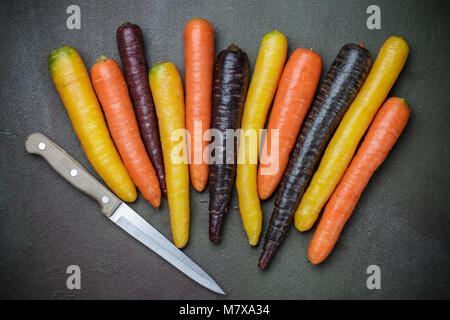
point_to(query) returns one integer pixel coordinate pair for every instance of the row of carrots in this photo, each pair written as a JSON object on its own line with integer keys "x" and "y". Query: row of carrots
{"x": 308, "y": 151}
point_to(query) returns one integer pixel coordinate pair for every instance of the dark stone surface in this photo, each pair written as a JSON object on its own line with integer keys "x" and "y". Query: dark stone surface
{"x": 400, "y": 224}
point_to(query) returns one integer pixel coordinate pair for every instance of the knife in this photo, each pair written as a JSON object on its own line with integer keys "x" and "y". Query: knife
{"x": 117, "y": 211}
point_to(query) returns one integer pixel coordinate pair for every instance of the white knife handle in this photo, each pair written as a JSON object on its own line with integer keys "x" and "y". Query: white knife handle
{"x": 72, "y": 171}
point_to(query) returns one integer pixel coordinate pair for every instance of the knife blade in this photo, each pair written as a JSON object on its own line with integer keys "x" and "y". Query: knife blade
{"x": 117, "y": 211}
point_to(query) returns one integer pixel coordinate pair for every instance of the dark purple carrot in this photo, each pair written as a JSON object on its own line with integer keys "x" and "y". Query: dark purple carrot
{"x": 230, "y": 83}
{"x": 337, "y": 92}
{"x": 131, "y": 50}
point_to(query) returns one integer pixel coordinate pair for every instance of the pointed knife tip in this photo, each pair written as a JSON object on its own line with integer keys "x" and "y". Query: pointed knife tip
{"x": 221, "y": 292}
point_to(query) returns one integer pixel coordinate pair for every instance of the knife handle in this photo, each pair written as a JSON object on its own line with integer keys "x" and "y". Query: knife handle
{"x": 72, "y": 171}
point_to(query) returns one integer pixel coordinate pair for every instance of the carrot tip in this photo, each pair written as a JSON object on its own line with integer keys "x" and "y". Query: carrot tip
{"x": 215, "y": 229}
{"x": 269, "y": 249}
{"x": 264, "y": 194}
{"x": 233, "y": 47}
{"x": 215, "y": 238}
{"x": 156, "y": 204}
{"x": 403, "y": 100}
{"x": 102, "y": 59}
{"x": 215, "y": 232}
{"x": 199, "y": 186}
{"x": 264, "y": 259}
{"x": 314, "y": 261}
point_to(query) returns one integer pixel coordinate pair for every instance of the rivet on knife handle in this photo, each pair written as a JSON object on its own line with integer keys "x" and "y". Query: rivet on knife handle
{"x": 72, "y": 171}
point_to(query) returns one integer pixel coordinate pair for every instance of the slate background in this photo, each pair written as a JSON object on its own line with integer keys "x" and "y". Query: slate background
{"x": 401, "y": 222}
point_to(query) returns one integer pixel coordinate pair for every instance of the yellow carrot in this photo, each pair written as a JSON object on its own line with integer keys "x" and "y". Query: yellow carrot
{"x": 167, "y": 91}
{"x": 381, "y": 78}
{"x": 75, "y": 89}
{"x": 268, "y": 68}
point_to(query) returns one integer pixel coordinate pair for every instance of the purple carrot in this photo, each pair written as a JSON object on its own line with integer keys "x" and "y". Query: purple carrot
{"x": 131, "y": 50}
{"x": 231, "y": 73}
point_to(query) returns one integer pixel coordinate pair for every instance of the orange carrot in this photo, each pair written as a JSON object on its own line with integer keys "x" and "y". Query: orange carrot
{"x": 382, "y": 134}
{"x": 199, "y": 62}
{"x": 295, "y": 93}
{"x": 112, "y": 91}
